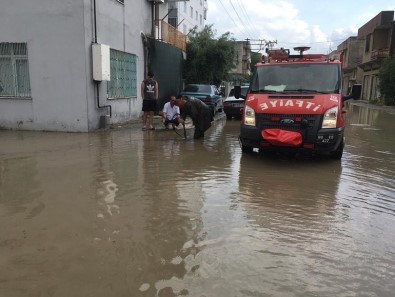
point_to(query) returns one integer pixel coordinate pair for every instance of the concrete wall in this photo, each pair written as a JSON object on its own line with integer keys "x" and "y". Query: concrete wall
{"x": 120, "y": 27}
{"x": 53, "y": 31}
{"x": 59, "y": 35}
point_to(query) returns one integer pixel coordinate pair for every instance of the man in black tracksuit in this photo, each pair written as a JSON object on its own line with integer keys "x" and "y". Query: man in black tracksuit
{"x": 198, "y": 111}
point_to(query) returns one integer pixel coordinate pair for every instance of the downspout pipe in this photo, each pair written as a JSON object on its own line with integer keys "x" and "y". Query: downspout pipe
{"x": 97, "y": 83}
{"x": 146, "y": 53}
{"x": 153, "y": 19}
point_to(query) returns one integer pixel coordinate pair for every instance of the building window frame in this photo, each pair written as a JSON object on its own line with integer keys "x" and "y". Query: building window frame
{"x": 14, "y": 70}
{"x": 123, "y": 75}
{"x": 367, "y": 42}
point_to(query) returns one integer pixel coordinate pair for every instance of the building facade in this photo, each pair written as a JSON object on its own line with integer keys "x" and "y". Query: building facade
{"x": 73, "y": 65}
{"x": 377, "y": 36}
{"x": 351, "y": 55}
{"x": 187, "y": 15}
{"x": 242, "y": 69}
{"x": 363, "y": 55}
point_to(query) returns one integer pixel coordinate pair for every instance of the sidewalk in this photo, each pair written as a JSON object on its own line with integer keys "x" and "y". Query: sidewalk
{"x": 158, "y": 124}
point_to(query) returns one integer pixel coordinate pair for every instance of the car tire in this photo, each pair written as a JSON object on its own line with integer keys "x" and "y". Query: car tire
{"x": 246, "y": 149}
{"x": 338, "y": 153}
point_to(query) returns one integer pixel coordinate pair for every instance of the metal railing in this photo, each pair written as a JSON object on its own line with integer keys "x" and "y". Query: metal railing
{"x": 380, "y": 53}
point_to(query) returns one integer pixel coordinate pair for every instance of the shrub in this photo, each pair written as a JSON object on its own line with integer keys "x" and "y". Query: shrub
{"x": 387, "y": 80}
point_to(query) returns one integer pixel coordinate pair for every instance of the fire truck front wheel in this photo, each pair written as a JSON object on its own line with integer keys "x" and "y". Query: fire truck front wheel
{"x": 338, "y": 153}
{"x": 246, "y": 149}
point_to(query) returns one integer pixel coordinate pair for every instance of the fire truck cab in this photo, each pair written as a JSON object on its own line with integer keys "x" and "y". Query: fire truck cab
{"x": 295, "y": 103}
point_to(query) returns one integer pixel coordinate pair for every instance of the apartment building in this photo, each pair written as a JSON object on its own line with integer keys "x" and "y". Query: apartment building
{"x": 378, "y": 36}
{"x": 351, "y": 54}
{"x": 363, "y": 55}
{"x": 242, "y": 69}
{"x": 187, "y": 15}
{"x": 76, "y": 66}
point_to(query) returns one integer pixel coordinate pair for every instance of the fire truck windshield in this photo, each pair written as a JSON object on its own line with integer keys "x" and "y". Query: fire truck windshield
{"x": 304, "y": 78}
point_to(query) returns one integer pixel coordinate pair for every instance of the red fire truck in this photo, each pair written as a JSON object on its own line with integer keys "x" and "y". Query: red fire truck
{"x": 295, "y": 103}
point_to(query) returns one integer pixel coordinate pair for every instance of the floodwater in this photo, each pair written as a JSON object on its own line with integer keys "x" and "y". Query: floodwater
{"x": 126, "y": 212}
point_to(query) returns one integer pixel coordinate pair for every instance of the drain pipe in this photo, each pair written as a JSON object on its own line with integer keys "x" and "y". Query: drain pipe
{"x": 145, "y": 52}
{"x": 98, "y": 82}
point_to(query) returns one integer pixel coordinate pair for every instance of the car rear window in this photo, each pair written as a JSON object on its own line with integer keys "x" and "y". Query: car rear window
{"x": 243, "y": 91}
{"x": 198, "y": 88}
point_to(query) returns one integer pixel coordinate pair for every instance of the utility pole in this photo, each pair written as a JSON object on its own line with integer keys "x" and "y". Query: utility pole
{"x": 270, "y": 44}
{"x": 262, "y": 43}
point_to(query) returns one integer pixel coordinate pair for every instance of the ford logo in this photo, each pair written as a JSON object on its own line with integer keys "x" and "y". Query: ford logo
{"x": 287, "y": 121}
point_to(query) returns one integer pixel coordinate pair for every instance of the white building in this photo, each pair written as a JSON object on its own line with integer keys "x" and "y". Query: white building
{"x": 47, "y": 54}
{"x": 187, "y": 15}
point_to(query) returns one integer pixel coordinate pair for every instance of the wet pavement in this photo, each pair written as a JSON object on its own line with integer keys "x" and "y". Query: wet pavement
{"x": 125, "y": 212}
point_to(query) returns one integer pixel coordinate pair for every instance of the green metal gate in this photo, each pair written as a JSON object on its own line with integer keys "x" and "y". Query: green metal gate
{"x": 166, "y": 62}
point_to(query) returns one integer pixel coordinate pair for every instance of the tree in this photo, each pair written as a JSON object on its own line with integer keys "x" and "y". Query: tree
{"x": 255, "y": 59}
{"x": 387, "y": 80}
{"x": 209, "y": 60}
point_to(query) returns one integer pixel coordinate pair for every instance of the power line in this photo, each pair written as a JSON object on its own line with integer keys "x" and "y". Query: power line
{"x": 245, "y": 29}
{"x": 247, "y": 17}
{"x": 227, "y": 12}
{"x": 241, "y": 20}
{"x": 232, "y": 19}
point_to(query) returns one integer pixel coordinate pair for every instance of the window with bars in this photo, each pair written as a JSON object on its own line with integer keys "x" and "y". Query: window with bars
{"x": 14, "y": 70}
{"x": 123, "y": 75}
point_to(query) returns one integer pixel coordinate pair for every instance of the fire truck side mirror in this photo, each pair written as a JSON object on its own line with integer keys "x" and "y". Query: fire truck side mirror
{"x": 355, "y": 93}
{"x": 237, "y": 90}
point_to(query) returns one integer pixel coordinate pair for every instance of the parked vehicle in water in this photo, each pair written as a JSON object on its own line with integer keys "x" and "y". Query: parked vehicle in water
{"x": 294, "y": 103}
{"x": 209, "y": 94}
{"x": 233, "y": 106}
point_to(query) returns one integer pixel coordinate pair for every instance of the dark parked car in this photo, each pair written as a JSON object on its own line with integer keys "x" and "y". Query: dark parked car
{"x": 209, "y": 94}
{"x": 232, "y": 106}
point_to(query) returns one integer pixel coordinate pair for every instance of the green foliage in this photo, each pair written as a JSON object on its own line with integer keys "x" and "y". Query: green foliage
{"x": 209, "y": 60}
{"x": 387, "y": 81}
{"x": 255, "y": 58}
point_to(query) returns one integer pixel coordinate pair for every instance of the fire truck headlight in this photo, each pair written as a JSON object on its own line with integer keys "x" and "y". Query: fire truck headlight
{"x": 330, "y": 118}
{"x": 249, "y": 116}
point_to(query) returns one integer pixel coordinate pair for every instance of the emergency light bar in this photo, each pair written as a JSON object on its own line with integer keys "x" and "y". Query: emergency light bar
{"x": 282, "y": 55}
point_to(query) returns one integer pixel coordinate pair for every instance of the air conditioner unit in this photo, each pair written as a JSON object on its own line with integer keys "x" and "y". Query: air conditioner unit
{"x": 157, "y": 1}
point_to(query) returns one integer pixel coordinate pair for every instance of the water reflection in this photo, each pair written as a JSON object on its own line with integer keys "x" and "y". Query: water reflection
{"x": 132, "y": 213}
{"x": 371, "y": 156}
{"x": 372, "y": 131}
{"x": 20, "y": 187}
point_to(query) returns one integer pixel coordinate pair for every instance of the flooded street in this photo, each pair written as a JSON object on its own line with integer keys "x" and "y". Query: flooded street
{"x": 126, "y": 212}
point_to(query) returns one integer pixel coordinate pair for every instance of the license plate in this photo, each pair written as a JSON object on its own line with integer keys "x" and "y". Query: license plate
{"x": 237, "y": 104}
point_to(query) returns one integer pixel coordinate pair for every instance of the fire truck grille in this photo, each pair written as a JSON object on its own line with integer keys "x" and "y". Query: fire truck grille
{"x": 305, "y": 124}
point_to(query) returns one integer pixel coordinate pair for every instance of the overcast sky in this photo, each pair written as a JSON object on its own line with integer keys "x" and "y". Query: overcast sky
{"x": 320, "y": 24}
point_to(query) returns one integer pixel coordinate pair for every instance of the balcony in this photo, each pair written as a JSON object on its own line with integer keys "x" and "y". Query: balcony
{"x": 379, "y": 53}
{"x": 171, "y": 35}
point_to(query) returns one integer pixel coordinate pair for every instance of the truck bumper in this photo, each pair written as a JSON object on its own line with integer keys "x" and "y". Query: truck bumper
{"x": 323, "y": 141}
